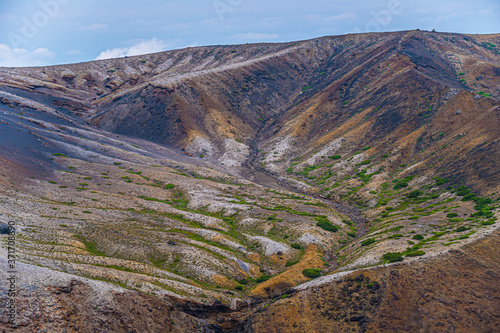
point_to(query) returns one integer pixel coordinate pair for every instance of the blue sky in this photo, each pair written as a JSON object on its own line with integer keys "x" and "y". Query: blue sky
{"x": 45, "y": 32}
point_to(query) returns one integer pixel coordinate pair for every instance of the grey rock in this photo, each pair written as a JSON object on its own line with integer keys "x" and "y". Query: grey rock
{"x": 4, "y": 228}
{"x": 244, "y": 266}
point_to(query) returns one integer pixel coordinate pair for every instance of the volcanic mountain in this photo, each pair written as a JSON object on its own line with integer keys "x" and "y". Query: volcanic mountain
{"x": 345, "y": 183}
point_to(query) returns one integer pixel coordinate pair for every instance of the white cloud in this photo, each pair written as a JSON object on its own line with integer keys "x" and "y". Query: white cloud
{"x": 255, "y": 36}
{"x": 10, "y": 57}
{"x": 43, "y": 52}
{"x": 145, "y": 47}
{"x": 446, "y": 17}
{"x": 8, "y": 17}
{"x": 339, "y": 17}
{"x": 485, "y": 11}
{"x": 94, "y": 27}
{"x": 344, "y": 16}
{"x": 420, "y": 11}
{"x": 424, "y": 19}
{"x": 75, "y": 52}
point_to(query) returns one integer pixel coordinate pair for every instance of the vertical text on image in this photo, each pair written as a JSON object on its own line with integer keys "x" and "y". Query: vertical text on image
{"x": 11, "y": 273}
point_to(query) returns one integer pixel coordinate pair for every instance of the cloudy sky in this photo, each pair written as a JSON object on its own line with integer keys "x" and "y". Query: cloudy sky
{"x": 45, "y": 32}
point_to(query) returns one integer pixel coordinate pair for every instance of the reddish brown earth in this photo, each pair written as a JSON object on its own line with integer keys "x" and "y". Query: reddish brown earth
{"x": 456, "y": 292}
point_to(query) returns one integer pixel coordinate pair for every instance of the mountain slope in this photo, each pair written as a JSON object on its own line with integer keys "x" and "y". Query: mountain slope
{"x": 211, "y": 177}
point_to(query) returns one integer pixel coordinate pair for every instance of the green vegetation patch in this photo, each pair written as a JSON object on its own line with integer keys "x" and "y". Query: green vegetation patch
{"x": 414, "y": 194}
{"x": 291, "y": 263}
{"x": 90, "y": 246}
{"x": 312, "y": 273}
{"x": 392, "y": 257}
{"x": 365, "y": 162}
{"x": 335, "y": 157}
{"x": 462, "y": 229}
{"x": 402, "y": 183}
{"x": 368, "y": 241}
{"x": 263, "y": 278}
{"x": 323, "y": 223}
{"x": 415, "y": 254}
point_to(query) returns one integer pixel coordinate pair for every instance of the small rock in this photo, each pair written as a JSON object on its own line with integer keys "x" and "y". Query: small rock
{"x": 4, "y": 228}
{"x": 280, "y": 253}
{"x": 171, "y": 242}
{"x": 68, "y": 75}
{"x": 356, "y": 318}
